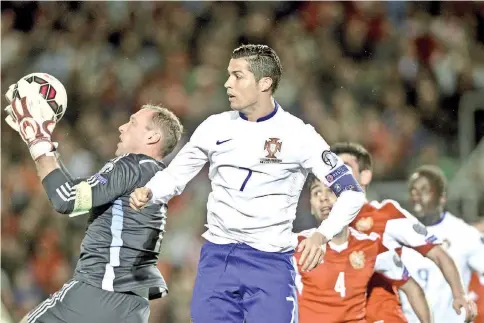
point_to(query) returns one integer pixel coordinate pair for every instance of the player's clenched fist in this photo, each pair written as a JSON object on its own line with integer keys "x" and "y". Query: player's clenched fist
{"x": 466, "y": 304}
{"x": 140, "y": 197}
{"x": 312, "y": 251}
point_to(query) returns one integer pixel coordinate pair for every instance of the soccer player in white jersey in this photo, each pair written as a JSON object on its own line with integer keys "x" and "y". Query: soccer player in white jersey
{"x": 463, "y": 242}
{"x": 260, "y": 156}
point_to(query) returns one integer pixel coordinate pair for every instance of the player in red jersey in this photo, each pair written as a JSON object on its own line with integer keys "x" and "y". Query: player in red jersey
{"x": 335, "y": 291}
{"x": 398, "y": 228}
{"x": 476, "y": 286}
{"x": 476, "y": 289}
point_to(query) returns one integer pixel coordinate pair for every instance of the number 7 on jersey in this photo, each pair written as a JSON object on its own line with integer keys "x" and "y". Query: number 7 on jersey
{"x": 246, "y": 179}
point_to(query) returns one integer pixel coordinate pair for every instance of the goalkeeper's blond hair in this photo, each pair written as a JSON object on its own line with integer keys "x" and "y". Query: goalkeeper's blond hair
{"x": 169, "y": 124}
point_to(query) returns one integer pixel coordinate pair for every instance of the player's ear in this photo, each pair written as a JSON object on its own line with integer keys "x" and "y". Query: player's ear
{"x": 153, "y": 137}
{"x": 443, "y": 199}
{"x": 265, "y": 84}
{"x": 365, "y": 177}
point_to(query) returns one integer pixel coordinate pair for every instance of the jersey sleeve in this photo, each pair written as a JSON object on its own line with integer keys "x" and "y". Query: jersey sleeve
{"x": 74, "y": 197}
{"x": 404, "y": 230}
{"x": 476, "y": 252}
{"x": 389, "y": 264}
{"x": 187, "y": 164}
{"x": 317, "y": 158}
{"x": 330, "y": 170}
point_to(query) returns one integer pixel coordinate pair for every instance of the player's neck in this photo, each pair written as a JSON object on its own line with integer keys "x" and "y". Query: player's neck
{"x": 260, "y": 109}
{"x": 341, "y": 237}
{"x": 151, "y": 152}
{"x": 432, "y": 217}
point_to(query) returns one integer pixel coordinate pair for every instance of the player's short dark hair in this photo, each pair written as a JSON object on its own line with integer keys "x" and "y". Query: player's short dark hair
{"x": 169, "y": 123}
{"x": 310, "y": 181}
{"x": 263, "y": 62}
{"x": 363, "y": 157}
{"x": 435, "y": 176}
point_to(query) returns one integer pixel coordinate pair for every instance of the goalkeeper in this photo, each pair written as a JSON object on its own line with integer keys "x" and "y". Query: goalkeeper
{"x": 116, "y": 273}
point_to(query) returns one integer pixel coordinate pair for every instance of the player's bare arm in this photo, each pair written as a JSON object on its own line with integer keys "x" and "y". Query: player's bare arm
{"x": 427, "y": 192}
{"x": 416, "y": 297}
{"x": 334, "y": 174}
{"x": 449, "y": 269}
{"x": 46, "y": 165}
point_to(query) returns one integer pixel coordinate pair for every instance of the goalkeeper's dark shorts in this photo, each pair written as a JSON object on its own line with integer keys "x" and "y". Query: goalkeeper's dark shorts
{"x": 78, "y": 302}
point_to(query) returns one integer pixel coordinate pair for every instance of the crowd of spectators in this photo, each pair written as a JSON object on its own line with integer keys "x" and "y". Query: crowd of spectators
{"x": 386, "y": 74}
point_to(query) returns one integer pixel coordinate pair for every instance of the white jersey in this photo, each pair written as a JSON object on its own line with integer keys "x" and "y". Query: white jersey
{"x": 257, "y": 172}
{"x": 463, "y": 243}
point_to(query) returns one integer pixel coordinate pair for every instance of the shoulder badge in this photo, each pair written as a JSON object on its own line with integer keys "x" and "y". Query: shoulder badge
{"x": 357, "y": 259}
{"x": 364, "y": 224}
{"x": 397, "y": 261}
{"x": 420, "y": 229}
{"x": 329, "y": 158}
{"x": 446, "y": 244}
{"x": 107, "y": 168}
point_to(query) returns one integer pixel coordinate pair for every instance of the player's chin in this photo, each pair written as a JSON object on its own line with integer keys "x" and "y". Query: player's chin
{"x": 235, "y": 106}
{"x": 119, "y": 150}
{"x": 323, "y": 215}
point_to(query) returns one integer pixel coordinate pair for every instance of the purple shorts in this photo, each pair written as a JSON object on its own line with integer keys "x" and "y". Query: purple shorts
{"x": 236, "y": 283}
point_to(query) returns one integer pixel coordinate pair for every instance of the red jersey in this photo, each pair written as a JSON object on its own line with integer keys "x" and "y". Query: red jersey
{"x": 398, "y": 228}
{"x": 476, "y": 289}
{"x": 335, "y": 291}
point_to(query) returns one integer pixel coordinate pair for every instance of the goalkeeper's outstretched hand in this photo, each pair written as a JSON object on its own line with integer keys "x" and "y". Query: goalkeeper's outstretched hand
{"x": 139, "y": 198}
{"x": 9, "y": 96}
{"x": 32, "y": 117}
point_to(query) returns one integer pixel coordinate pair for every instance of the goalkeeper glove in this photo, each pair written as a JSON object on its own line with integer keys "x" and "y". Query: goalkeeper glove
{"x": 34, "y": 120}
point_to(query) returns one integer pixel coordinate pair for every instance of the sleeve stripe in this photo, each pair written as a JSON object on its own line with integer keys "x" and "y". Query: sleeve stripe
{"x": 65, "y": 197}
{"x": 93, "y": 181}
{"x": 67, "y": 194}
{"x": 148, "y": 161}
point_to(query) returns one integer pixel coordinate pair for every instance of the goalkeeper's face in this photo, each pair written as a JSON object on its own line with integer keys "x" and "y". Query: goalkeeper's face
{"x": 136, "y": 136}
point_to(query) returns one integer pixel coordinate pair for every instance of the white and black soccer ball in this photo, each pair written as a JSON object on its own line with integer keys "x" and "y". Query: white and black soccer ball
{"x": 50, "y": 88}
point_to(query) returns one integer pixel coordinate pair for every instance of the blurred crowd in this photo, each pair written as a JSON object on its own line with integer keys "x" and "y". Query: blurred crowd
{"x": 389, "y": 75}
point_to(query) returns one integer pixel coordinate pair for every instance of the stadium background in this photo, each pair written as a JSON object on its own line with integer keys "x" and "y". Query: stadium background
{"x": 404, "y": 79}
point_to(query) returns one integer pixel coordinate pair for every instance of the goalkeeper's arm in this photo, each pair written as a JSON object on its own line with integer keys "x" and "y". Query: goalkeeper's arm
{"x": 79, "y": 196}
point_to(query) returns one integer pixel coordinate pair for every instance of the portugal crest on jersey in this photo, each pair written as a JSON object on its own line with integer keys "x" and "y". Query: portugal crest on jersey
{"x": 357, "y": 259}
{"x": 272, "y": 146}
{"x": 364, "y": 224}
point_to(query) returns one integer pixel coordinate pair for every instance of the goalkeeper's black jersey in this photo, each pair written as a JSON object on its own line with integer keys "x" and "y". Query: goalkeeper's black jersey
{"x": 120, "y": 249}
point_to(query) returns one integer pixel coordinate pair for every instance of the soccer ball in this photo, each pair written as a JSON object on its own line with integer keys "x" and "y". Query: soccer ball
{"x": 50, "y": 88}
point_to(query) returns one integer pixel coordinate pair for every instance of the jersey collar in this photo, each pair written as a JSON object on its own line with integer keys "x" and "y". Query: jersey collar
{"x": 338, "y": 247}
{"x": 442, "y": 217}
{"x": 266, "y": 117}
